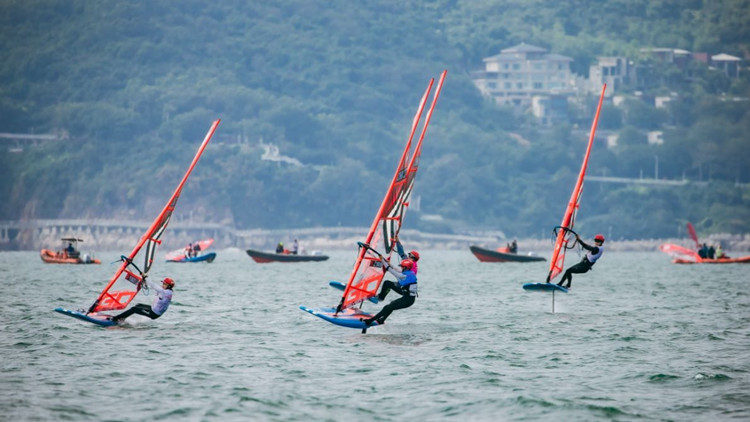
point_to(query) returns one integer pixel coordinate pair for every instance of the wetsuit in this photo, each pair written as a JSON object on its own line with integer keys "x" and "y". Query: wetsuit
{"x": 157, "y": 309}
{"x": 588, "y": 261}
{"x": 406, "y": 287}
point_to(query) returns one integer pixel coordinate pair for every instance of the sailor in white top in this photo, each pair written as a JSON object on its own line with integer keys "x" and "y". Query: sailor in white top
{"x": 593, "y": 253}
{"x": 160, "y": 305}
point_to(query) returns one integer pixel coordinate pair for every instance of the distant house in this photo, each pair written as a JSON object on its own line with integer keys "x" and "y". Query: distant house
{"x": 614, "y": 71}
{"x": 676, "y": 56}
{"x": 520, "y": 73}
{"x": 727, "y": 64}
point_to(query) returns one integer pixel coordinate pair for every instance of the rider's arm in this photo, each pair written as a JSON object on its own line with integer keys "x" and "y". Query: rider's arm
{"x": 399, "y": 275}
{"x": 157, "y": 288}
{"x": 400, "y": 249}
{"x": 593, "y": 249}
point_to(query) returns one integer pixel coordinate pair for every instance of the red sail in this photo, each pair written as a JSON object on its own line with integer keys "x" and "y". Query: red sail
{"x": 565, "y": 239}
{"x": 368, "y": 273}
{"x": 126, "y": 283}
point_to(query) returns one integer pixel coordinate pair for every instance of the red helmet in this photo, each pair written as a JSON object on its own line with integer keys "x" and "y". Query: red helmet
{"x": 599, "y": 238}
{"x": 414, "y": 255}
{"x": 169, "y": 282}
{"x": 407, "y": 264}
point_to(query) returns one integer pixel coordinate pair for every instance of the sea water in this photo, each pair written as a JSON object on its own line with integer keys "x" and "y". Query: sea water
{"x": 638, "y": 338}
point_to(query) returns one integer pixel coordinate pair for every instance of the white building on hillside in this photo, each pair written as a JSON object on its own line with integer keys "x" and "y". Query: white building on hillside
{"x": 520, "y": 73}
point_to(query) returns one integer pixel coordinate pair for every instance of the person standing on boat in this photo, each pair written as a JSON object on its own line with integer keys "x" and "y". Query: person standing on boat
{"x": 592, "y": 255}
{"x": 412, "y": 255}
{"x": 514, "y": 247}
{"x": 70, "y": 250}
{"x": 295, "y": 247}
{"x": 160, "y": 305}
{"x": 406, "y": 286}
{"x": 703, "y": 251}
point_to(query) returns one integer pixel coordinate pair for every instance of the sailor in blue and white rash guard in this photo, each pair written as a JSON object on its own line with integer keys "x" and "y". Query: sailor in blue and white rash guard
{"x": 161, "y": 302}
{"x": 593, "y": 253}
{"x": 406, "y": 287}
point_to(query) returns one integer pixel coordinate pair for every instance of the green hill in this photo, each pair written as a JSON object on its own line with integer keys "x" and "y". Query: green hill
{"x": 335, "y": 84}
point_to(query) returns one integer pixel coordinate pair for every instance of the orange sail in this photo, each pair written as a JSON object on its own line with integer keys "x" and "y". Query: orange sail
{"x": 565, "y": 236}
{"x": 368, "y": 271}
{"x": 127, "y": 281}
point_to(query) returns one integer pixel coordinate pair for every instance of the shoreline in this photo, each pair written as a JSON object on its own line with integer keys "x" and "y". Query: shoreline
{"x": 737, "y": 244}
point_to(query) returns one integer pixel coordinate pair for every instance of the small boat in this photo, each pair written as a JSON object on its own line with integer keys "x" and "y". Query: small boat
{"x": 206, "y": 257}
{"x": 68, "y": 255}
{"x": 266, "y": 257}
{"x": 502, "y": 255}
{"x": 683, "y": 255}
{"x": 740, "y": 260}
{"x": 180, "y": 255}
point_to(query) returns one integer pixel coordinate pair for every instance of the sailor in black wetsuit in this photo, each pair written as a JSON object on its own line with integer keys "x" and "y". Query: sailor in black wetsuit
{"x": 588, "y": 261}
{"x": 406, "y": 286}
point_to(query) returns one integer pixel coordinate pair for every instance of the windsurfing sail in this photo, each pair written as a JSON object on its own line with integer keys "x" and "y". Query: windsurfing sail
{"x": 565, "y": 235}
{"x": 683, "y": 253}
{"x": 368, "y": 271}
{"x": 680, "y": 252}
{"x": 128, "y": 279}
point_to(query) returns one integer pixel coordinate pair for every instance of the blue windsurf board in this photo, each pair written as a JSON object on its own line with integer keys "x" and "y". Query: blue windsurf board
{"x": 94, "y": 318}
{"x": 350, "y": 318}
{"x": 544, "y": 287}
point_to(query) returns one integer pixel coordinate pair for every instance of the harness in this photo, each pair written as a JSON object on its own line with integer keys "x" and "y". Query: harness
{"x": 409, "y": 284}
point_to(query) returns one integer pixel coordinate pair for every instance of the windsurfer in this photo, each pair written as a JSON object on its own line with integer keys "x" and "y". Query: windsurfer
{"x": 588, "y": 261}
{"x": 406, "y": 287}
{"x": 160, "y": 305}
{"x": 412, "y": 255}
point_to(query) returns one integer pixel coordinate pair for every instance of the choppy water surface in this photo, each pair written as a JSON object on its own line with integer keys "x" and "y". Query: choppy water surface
{"x": 638, "y": 338}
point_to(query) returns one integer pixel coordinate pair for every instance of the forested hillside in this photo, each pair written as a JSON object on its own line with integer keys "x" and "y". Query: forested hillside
{"x": 134, "y": 85}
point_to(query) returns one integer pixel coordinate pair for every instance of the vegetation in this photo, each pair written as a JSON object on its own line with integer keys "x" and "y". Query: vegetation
{"x": 136, "y": 84}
